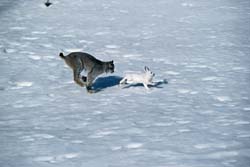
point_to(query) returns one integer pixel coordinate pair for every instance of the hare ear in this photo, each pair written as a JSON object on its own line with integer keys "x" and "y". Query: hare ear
{"x": 146, "y": 68}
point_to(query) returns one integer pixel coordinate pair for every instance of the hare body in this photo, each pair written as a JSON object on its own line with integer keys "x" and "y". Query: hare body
{"x": 145, "y": 78}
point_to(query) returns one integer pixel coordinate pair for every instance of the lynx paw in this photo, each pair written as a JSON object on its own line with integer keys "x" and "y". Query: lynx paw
{"x": 84, "y": 79}
{"x": 91, "y": 91}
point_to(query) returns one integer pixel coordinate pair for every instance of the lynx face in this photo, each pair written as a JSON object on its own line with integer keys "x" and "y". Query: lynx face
{"x": 110, "y": 67}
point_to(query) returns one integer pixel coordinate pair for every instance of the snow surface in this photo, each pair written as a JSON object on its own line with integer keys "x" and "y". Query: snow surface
{"x": 201, "y": 118}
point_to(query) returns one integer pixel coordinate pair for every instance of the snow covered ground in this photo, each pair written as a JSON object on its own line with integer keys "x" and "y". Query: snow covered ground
{"x": 201, "y": 118}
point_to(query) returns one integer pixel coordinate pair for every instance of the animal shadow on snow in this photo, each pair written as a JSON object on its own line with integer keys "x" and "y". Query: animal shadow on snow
{"x": 157, "y": 84}
{"x": 102, "y": 83}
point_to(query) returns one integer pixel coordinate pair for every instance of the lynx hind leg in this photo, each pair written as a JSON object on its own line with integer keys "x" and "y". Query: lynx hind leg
{"x": 77, "y": 78}
{"x": 90, "y": 79}
{"x": 123, "y": 81}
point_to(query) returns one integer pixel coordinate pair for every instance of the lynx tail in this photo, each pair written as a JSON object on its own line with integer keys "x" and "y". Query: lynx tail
{"x": 61, "y": 55}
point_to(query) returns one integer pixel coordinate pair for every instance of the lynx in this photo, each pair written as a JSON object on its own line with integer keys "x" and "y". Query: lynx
{"x": 79, "y": 61}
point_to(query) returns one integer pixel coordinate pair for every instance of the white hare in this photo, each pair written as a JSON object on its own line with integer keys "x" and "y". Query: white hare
{"x": 145, "y": 78}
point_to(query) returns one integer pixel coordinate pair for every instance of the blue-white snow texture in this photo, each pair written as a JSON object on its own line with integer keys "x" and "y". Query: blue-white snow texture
{"x": 201, "y": 118}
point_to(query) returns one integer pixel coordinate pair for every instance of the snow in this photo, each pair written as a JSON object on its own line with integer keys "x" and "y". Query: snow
{"x": 134, "y": 145}
{"x": 197, "y": 114}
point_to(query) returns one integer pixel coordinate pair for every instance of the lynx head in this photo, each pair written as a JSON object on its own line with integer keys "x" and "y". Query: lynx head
{"x": 110, "y": 67}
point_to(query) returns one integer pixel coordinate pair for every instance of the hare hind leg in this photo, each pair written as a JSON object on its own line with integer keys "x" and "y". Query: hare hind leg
{"x": 145, "y": 85}
{"x": 123, "y": 81}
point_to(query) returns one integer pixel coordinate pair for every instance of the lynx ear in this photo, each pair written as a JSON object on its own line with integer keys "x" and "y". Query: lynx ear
{"x": 146, "y": 68}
